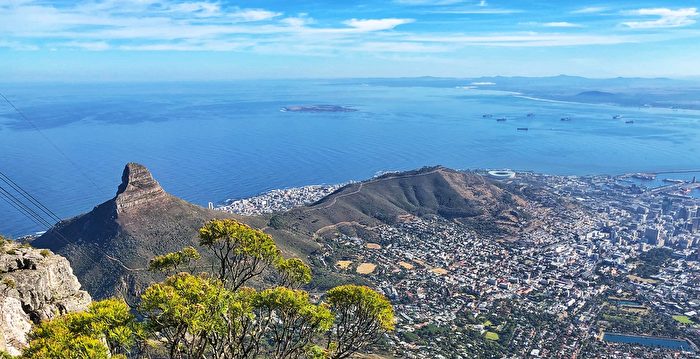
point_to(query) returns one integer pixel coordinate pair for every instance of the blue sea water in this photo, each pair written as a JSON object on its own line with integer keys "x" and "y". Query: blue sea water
{"x": 213, "y": 141}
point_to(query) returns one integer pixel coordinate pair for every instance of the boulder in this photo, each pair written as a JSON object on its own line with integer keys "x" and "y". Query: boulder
{"x": 35, "y": 285}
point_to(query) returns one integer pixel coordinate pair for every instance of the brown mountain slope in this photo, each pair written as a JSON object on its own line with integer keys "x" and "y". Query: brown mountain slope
{"x": 110, "y": 246}
{"x": 436, "y": 191}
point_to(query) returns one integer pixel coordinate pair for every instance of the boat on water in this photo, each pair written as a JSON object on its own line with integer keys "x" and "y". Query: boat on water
{"x": 501, "y": 119}
{"x": 488, "y": 115}
{"x": 530, "y": 114}
{"x": 566, "y": 119}
{"x": 523, "y": 128}
{"x": 671, "y": 180}
{"x": 630, "y": 121}
{"x": 617, "y": 117}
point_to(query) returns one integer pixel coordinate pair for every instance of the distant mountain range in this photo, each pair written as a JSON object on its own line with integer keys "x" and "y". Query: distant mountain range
{"x": 627, "y": 91}
{"x": 109, "y": 247}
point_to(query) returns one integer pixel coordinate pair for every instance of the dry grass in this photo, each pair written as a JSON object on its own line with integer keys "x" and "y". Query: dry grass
{"x": 642, "y": 280}
{"x": 405, "y": 265}
{"x": 366, "y": 268}
{"x": 344, "y": 264}
{"x": 439, "y": 271}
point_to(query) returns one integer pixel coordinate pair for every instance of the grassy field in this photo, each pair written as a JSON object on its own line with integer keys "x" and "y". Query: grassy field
{"x": 491, "y": 336}
{"x": 683, "y": 319}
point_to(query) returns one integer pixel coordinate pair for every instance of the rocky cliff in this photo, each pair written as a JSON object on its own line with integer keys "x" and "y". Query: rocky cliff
{"x": 138, "y": 189}
{"x": 35, "y": 285}
{"x": 110, "y": 247}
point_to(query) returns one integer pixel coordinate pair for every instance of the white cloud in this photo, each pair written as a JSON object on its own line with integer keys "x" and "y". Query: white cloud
{"x": 298, "y": 21}
{"x": 385, "y": 46}
{"x": 476, "y": 11}
{"x": 590, "y": 10}
{"x": 561, "y": 24}
{"x": 15, "y": 45}
{"x": 254, "y": 15}
{"x": 428, "y": 2}
{"x": 199, "y": 9}
{"x": 558, "y": 24}
{"x": 666, "y": 18}
{"x": 376, "y": 24}
{"x": 85, "y": 45}
{"x": 528, "y": 40}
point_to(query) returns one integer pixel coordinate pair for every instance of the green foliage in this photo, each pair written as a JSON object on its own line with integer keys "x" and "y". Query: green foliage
{"x": 173, "y": 261}
{"x": 84, "y": 335}
{"x": 362, "y": 315}
{"x": 652, "y": 261}
{"x": 293, "y": 272}
{"x": 293, "y": 320}
{"x": 190, "y": 316}
{"x": 112, "y": 318}
{"x": 491, "y": 336}
{"x": 180, "y": 308}
{"x": 242, "y": 252}
{"x": 45, "y": 252}
{"x": 277, "y": 222}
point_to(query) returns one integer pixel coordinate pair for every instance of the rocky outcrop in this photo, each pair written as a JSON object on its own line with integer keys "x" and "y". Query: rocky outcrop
{"x": 137, "y": 189}
{"x": 35, "y": 285}
{"x": 109, "y": 247}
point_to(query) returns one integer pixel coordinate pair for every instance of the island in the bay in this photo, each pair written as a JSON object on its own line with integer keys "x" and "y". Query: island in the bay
{"x": 317, "y": 108}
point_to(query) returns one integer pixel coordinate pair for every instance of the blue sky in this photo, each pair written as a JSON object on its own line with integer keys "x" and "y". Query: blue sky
{"x": 128, "y": 40}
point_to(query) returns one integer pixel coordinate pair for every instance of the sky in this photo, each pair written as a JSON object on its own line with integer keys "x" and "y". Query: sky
{"x": 160, "y": 40}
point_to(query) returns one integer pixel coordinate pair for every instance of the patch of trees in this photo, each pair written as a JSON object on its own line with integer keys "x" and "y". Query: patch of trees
{"x": 652, "y": 261}
{"x": 217, "y": 315}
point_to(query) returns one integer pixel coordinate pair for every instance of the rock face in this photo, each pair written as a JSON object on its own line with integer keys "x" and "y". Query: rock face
{"x": 109, "y": 248}
{"x": 35, "y": 285}
{"x": 138, "y": 188}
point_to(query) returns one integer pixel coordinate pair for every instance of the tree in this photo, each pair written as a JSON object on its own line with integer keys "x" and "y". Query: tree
{"x": 361, "y": 316}
{"x": 106, "y": 330}
{"x": 242, "y": 252}
{"x": 213, "y": 315}
{"x": 173, "y": 261}
{"x": 290, "y": 321}
{"x": 293, "y": 272}
{"x": 183, "y": 311}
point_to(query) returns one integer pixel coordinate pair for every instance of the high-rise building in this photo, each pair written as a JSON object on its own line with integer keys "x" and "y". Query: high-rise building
{"x": 654, "y": 236}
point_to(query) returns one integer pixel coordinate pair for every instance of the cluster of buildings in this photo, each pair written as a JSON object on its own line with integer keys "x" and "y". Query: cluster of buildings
{"x": 278, "y": 200}
{"x": 597, "y": 255}
{"x": 551, "y": 290}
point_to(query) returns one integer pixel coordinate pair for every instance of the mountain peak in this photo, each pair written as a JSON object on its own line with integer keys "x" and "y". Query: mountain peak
{"x": 138, "y": 187}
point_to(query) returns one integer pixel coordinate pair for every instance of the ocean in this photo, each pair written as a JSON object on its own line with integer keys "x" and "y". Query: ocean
{"x": 223, "y": 140}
